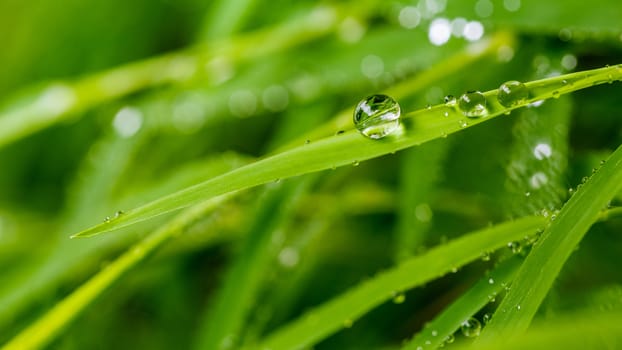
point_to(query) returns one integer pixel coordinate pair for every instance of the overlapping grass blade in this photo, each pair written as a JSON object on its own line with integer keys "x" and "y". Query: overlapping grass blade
{"x": 545, "y": 261}
{"x": 449, "y": 320}
{"x": 348, "y": 307}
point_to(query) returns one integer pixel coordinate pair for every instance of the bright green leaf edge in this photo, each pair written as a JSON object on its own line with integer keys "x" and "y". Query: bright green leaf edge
{"x": 546, "y": 259}
{"x": 351, "y": 147}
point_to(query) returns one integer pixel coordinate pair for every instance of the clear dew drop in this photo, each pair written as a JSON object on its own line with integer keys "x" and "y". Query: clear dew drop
{"x": 491, "y": 281}
{"x": 515, "y": 247}
{"x": 398, "y": 298}
{"x": 377, "y": 116}
{"x": 486, "y": 318}
{"x": 512, "y": 93}
{"x": 473, "y": 104}
{"x": 449, "y": 339}
{"x": 450, "y": 100}
{"x": 471, "y": 327}
{"x": 107, "y": 219}
{"x": 347, "y": 323}
{"x": 485, "y": 256}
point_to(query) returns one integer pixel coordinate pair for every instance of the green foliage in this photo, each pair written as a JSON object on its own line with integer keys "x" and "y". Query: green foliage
{"x": 242, "y": 209}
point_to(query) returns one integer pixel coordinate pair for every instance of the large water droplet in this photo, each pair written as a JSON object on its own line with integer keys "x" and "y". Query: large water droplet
{"x": 377, "y": 116}
{"x": 473, "y": 104}
{"x": 471, "y": 327}
{"x": 512, "y": 93}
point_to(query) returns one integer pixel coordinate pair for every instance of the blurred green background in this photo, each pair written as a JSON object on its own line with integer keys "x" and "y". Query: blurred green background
{"x": 285, "y": 247}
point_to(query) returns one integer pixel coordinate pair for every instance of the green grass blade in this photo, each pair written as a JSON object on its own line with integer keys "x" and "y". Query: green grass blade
{"x": 225, "y": 319}
{"x": 576, "y": 331}
{"x": 549, "y": 254}
{"x": 419, "y": 127}
{"x": 449, "y": 320}
{"x": 346, "y": 308}
{"x": 43, "y": 331}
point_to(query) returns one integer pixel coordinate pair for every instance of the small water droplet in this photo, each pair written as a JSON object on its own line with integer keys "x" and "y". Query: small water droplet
{"x": 463, "y": 123}
{"x": 556, "y": 94}
{"x": 527, "y": 194}
{"x": 347, "y": 323}
{"x": 517, "y": 307}
{"x": 307, "y": 142}
{"x": 473, "y": 104}
{"x": 491, "y": 281}
{"x": 485, "y": 256}
{"x": 107, "y": 219}
{"x": 446, "y": 114}
{"x": 398, "y": 298}
{"x": 584, "y": 179}
{"x": 486, "y": 318}
{"x": 434, "y": 333}
{"x": 450, "y": 100}
{"x": 512, "y": 93}
{"x": 471, "y": 327}
{"x": 340, "y": 132}
{"x": 454, "y": 269}
{"x": 515, "y": 247}
{"x": 356, "y": 163}
{"x": 377, "y": 116}
{"x": 449, "y": 339}
{"x": 428, "y": 107}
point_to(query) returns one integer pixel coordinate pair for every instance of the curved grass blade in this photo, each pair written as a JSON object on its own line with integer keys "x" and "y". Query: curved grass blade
{"x": 419, "y": 126}
{"x": 447, "y": 322}
{"x": 43, "y": 331}
{"x": 330, "y": 317}
{"x": 549, "y": 254}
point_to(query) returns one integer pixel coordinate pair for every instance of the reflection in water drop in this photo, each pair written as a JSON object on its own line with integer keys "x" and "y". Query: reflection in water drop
{"x": 377, "y": 116}
{"x": 471, "y": 327}
{"x": 473, "y": 104}
{"x": 512, "y": 93}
